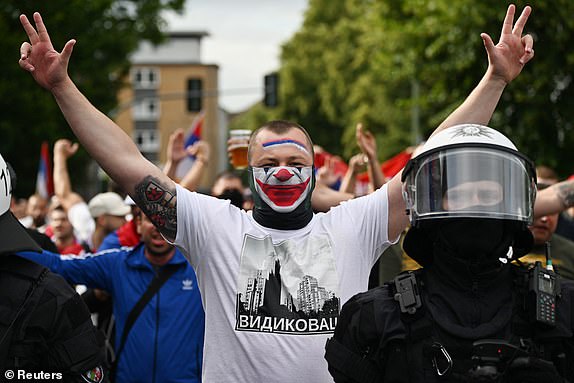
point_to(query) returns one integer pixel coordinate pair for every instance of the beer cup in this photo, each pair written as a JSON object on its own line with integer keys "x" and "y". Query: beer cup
{"x": 238, "y": 143}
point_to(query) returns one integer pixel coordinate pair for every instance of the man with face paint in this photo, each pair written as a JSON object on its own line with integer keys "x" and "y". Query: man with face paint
{"x": 272, "y": 281}
{"x": 281, "y": 175}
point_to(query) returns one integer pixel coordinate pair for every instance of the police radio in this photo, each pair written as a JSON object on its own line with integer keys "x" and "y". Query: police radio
{"x": 544, "y": 287}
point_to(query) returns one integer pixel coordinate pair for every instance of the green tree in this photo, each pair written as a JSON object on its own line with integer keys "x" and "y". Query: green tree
{"x": 107, "y": 31}
{"x": 318, "y": 67}
{"x": 253, "y": 118}
{"x": 358, "y": 60}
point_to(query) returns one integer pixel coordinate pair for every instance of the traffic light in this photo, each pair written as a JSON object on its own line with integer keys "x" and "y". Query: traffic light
{"x": 271, "y": 98}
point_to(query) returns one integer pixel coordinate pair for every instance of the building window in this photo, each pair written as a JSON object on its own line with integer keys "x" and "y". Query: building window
{"x": 145, "y": 78}
{"x": 146, "y": 109}
{"x": 147, "y": 140}
{"x": 194, "y": 92}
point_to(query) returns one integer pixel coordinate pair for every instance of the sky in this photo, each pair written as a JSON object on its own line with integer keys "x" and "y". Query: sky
{"x": 245, "y": 38}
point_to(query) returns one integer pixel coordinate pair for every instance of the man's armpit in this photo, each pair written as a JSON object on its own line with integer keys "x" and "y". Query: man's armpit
{"x": 158, "y": 203}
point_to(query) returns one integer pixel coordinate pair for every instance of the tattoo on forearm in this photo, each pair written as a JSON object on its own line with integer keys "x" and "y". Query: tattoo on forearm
{"x": 566, "y": 193}
{"x": 158, "y": 203}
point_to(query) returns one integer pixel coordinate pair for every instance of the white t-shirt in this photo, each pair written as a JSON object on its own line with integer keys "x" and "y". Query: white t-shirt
{"x": 272, "y": 297}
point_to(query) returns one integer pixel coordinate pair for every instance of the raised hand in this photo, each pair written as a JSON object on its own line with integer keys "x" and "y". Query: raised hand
{"x": 48, "y": 67}
{"x": 507, "y": 58}
{"x": 200, "y": 149}
{"x": 175, "y": 147}
{"x": 366, "y": 141}
{"x": 65, "y": 148}
{"x": 358, "y": 163}
{"x": 326, "y": 174}
{"x": 368, "y": 145}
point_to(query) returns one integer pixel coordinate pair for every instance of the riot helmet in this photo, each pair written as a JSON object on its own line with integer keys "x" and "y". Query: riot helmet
{"x": 469, "y": 171}
{"x": 469, "y": 174}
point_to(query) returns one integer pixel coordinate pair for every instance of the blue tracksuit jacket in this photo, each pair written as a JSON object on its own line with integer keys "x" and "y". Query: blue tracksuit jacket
{"x": 166, "y": 342}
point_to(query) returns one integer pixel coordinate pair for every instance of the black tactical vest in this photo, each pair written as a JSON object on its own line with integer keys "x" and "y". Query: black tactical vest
{"x": 388, "y": 335}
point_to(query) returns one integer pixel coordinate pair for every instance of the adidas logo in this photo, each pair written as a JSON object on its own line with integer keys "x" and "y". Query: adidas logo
{"x": 187, "y": 284}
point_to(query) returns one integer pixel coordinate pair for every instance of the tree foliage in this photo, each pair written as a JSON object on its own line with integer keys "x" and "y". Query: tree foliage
{"x": 107, "y": 31}
{"x": 358, "y": 60}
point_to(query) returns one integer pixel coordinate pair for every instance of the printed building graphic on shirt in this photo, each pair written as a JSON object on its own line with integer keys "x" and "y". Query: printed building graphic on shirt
{"x": 289, "y": 288}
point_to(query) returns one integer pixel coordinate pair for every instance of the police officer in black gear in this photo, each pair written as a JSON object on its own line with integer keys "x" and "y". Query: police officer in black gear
{"x": 470, "y": 314}
{"x": 40, "y": 238}
{"x": 46, "y": 333}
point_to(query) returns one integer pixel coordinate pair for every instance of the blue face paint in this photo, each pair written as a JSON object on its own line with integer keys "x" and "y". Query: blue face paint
{"x": 285, "y": 142}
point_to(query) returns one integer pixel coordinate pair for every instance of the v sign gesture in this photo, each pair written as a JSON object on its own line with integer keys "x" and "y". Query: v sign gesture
{"x": 48, "y": 67}
{"x": 106, "y": 142}
{"x": 507, "y": 58}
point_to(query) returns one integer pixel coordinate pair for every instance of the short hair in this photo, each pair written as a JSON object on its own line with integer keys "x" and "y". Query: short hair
{"x": 58, "y": 208}
{"x": 227, "y": 175}
{"x": 546, "y": 173}
{"x": 38, "y": 196}
{"x": 279, "y": 127}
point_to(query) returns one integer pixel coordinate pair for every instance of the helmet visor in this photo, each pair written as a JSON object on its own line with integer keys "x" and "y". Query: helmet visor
{"x": 471, "y": 183}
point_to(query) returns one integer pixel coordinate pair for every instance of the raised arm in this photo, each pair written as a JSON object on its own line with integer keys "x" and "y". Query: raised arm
{"x": 114, "y": 151}
{"x": 175, "y": 153}
{"x": 505, "y": 62}
{"x": 200, "y": 149}
{"x": 554, "y": 199}
{"x": 64, "y": 149}
{"x": 356, "y": 164}
{"x": 368, "y": 145}
{"x": 324, "y": 198}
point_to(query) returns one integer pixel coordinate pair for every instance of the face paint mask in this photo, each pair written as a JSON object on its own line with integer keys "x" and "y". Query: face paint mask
{"x": 282, "y": 199}
{"x": 283, "y": 188}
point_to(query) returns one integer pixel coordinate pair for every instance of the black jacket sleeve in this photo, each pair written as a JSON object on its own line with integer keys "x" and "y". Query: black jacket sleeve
{"x": 354, "y": 352}
{"x": 69, "y": 342}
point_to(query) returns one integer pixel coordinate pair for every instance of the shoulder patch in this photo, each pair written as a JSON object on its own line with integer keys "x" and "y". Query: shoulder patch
{"x": 95, "y": 375}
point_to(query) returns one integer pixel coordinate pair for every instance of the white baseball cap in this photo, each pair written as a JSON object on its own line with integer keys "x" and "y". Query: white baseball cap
{"x": 13, "y": 236}
{"x": 108, "y": 203}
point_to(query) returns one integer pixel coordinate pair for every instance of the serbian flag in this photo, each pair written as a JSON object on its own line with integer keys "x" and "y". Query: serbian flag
{"x": 44, "y": 180}
{"x": 193, "y": 135}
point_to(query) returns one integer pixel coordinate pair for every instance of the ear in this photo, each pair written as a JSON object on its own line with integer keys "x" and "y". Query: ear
{"x": 101, "y": 220}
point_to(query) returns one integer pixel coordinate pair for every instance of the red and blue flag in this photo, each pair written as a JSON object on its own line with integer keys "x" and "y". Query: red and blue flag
{"x": 194, "y": 133}
{"x": 44, "y": 180}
